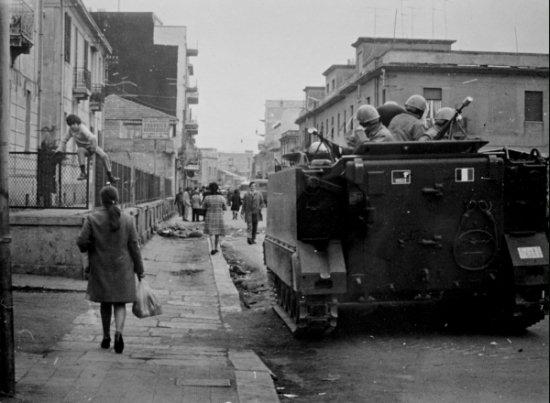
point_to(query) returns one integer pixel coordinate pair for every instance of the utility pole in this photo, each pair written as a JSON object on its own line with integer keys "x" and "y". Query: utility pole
{"x": 7, "y": 356}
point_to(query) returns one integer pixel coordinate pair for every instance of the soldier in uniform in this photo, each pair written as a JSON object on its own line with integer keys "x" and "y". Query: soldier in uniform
{"x": 442, "y": 116}
{"x": 388, "y": 111}
{"x": 369, "y": 118}
{"x": 408, "y": 126}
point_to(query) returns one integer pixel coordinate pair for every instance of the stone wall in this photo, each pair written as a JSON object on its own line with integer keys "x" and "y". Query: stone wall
{"x": 44, "y": 241}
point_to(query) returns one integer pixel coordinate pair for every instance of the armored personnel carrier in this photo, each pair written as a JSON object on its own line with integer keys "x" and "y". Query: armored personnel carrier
{"x": 410, "y": 222}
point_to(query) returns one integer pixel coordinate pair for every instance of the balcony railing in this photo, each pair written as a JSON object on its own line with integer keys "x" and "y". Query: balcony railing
{"x": 193, "y": 98}
{"x": 97, "y": 98}
{"x": 21, "y": 26}
{"x": 82, "y": 83}
{"x": 191, "y": 127}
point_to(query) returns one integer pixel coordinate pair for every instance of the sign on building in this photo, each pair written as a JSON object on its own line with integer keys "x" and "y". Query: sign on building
{"x": 156, "y": 128}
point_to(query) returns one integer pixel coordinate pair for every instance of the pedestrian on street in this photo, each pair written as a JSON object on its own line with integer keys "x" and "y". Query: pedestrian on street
{"x": 186, "y": 204}
{"x": 87, "y": 146}
{"x": 179, "y": 202}
{"x": 110, "y": 238}
{"x": 251, "y": 211}
{"x": 195, "y": 205}
{"x": 214, "y": 206}
{"x": 236, "y": 203}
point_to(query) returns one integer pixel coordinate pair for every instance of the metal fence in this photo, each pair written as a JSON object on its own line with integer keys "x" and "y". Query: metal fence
{"x": 46, "y": 180}
{"x": 49, "y": 180}
{"x": 144, "y": 186}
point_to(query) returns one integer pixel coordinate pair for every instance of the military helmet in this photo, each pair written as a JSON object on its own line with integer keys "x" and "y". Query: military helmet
{"x": 444, "y": 113}
{"x": 317, "y": 148}
{"x": 367, "y": 113}
{"x": 416, "y": 103}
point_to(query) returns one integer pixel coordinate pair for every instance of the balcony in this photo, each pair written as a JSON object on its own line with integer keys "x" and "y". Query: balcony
{"x": 82, "y": 88}
{"x": 192, "y": 98}
{"x": 97, "y": 99}
{"x": 192, "y": 52}
{"x": 21, "y": 28}
{"x": 191, "y": 127}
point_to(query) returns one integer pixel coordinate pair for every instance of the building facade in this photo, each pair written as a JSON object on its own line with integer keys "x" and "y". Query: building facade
{"x": 138, "y": 136}
{"x": 24, "y": 75}
{"x": 158, "y": 76}
{"x": 73, "y": 68}
{"x": 280, "y": 116}
{"x": 239, "y": 164}
{"x": 510, "y": 90}
{"x": 58, "y": 64}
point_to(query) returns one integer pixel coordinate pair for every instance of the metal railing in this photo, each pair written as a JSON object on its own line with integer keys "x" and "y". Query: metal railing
{"x": 143, "y": 188}
{"x": 46, "y": 180}
{"x": 21, "y": 20}
{"x": 82, "y": 78}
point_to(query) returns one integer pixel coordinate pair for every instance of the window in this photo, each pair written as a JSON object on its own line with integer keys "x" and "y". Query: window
{"x": 345, "y": 122}
{"x": 433, "y": 98}
{"x": 67, "y": 38}
{"x": 131, "y": 130}
{"x": 533, "y": 106}
{"x": 333, "y": 84}
{"x": 86, "y": 46}
{"x": 338, "y": 124}
{"x": 351, "y": 117}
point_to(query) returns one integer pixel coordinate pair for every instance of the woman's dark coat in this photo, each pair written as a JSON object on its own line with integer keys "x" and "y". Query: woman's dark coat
{"x": 114, "y": 257}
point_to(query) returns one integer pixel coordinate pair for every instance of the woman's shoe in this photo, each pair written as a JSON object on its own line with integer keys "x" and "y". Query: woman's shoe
{"x": 105, "y": 342}
{"x": 119, "y": 343}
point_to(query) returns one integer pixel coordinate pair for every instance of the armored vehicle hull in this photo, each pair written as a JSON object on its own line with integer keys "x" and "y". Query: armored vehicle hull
{"x": 409, "y": 223}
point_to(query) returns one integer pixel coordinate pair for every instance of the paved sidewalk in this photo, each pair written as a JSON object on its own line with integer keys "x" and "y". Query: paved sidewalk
{"x": 182, "y": 355}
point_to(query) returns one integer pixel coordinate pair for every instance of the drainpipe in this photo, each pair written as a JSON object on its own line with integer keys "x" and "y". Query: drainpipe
{"x": 7, "y": 355}
{"x": 39, "y": 73}
{"x": 61, "y": 122}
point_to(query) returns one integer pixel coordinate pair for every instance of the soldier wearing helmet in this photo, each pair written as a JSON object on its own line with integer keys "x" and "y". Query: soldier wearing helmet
{"x": 408, "y": 126}
{"x": 369, "y": 118}
{"x": 318, "y": 151}
{"x": 388, "y": 111}
{"x": 442, "y": 116}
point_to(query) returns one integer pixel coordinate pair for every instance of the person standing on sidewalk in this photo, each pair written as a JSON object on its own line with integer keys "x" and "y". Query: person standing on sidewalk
{"x": 186, "y": 204}
{"x": 251, "y": 211}
{"x": 110, "y": 238}
{"x": 195, "y": 205}
{"x": 214, "y": 206}
{"x": 236, "y": 202}
{"x": 87, "y": 146}
{"x": 178, "y": 201}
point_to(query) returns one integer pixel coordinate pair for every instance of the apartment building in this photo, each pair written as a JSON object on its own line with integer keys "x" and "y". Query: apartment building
{"x": 510, "y": 90}
{"x": 159, "y": 75}
{"x": 73, "y": 68}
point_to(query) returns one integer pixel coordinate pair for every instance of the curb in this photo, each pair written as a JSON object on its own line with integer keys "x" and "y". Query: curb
{"x": 230, "y": 301}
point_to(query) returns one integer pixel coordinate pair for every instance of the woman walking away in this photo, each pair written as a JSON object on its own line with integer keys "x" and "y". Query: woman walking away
{"x": 110, "y": 238}
{"x": 235, "y": 203}
{"x": 214, "y": 205}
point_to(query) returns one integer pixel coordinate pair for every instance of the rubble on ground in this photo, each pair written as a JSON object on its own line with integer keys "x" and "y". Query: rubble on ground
{"x": 178, "y": 230}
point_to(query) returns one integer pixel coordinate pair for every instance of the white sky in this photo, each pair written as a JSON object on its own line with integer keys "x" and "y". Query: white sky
{"x": 254, "y": 50}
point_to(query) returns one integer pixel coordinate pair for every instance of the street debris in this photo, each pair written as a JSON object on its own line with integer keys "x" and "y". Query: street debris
{"x": 179, "y": 231}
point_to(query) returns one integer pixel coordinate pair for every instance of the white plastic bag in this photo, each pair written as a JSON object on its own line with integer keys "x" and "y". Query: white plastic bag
{"x": 147, "y": 304}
